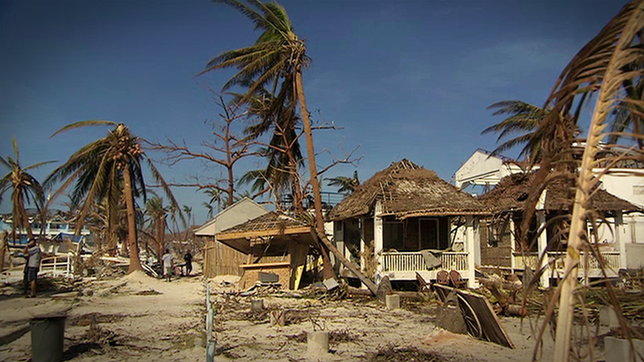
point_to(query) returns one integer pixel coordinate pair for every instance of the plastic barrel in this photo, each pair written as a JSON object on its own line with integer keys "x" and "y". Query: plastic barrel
{"x": 47, "y": 336}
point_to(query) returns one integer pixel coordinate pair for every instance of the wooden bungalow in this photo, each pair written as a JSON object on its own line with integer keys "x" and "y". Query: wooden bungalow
{"x": 273, "y": 243}
{"x": 405, "y": 219}
{"x": 220, "y": 259}
{"x": 499, "y": 245}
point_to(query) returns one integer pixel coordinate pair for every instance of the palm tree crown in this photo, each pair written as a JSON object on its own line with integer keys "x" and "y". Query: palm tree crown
{"x": 345, "y": 184}
{"x": 274, "y": 62}
{"x": 26, "y": 189}
{"x": 106, "y": 169}
{"x": 523, "y": 118}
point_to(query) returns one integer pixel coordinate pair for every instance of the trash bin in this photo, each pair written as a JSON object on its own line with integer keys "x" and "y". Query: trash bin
{"x": 47, "y": 336}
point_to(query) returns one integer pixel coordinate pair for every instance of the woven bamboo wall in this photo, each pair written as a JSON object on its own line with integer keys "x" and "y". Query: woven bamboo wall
{"x": 252, "y": 275}
{"x": 220, "y": 259}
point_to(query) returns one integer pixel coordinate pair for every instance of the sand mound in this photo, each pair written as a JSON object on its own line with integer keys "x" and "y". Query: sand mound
{"x": 442, "y": 336}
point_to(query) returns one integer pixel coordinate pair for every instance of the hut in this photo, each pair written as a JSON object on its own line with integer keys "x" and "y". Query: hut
{"x": 275, "y": 245}
{"x": 406, "y": 220}
{"x": 220, "y": 259}
{"x": 500, "y": 246}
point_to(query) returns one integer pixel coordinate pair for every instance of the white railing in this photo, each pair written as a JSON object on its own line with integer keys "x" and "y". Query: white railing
{"x": 414, "y": 261}
{"x": 556, "y": 258}
{"x": 57, "y": 265}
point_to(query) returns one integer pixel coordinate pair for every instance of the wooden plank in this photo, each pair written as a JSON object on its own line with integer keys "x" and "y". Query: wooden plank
{"x": 493, "y": 330}
{"x": 264, "y": 265}
{"x": 298, "y": 276}
{"x": 263, "y": 233}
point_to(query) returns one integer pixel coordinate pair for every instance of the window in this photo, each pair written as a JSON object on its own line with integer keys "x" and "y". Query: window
{"x": 428, "y": 229}
{"x": 392, "y": 235}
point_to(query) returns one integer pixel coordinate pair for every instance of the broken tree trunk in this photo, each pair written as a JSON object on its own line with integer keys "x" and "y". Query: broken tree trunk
{"x": 352, "y": 267}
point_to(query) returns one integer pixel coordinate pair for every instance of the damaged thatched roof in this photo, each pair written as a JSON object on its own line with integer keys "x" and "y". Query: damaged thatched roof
{"x": 407, "y": 190}
{"x": 270, "y": 224}
{"x": 512, "y": 191}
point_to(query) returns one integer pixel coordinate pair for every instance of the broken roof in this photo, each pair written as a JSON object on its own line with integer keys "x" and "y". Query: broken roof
{"x": 512, "y": 191}
{"x": 270, "y": 224}
{"x": 274, "y": 226}
{"x": 407, "y": 190}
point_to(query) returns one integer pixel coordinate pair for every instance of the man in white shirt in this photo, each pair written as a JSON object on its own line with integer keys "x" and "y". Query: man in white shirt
{"x": 167, "y": 265}
{"x": 32, "y": 253}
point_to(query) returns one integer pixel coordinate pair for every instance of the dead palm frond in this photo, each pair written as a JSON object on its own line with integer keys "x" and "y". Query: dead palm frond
{"x": 601, "y": 72}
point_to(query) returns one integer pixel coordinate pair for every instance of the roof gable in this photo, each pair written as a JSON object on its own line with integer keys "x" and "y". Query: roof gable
{"x": 237, "y": 213}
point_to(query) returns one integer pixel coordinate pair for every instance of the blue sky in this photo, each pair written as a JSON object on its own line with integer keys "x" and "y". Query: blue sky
{"x": 404, "y": 79}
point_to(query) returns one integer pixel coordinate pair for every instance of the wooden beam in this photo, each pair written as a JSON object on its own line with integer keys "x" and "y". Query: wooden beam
{"x": 263, "y": 233}
{"x": 265, "y": 265}
{"x": 352, "y": 267}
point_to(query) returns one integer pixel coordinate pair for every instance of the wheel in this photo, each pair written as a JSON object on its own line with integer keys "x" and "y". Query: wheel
{"x": 471, "y": 320}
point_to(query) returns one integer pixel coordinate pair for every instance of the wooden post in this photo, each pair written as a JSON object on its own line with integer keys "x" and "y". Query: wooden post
{"x": 513, "y": 242}
{"x": 469, "y": 246}
{"x": 377, "y": 236}
{"x": 542, "y": 244}
{"x": 619, "y": 227}
{"x": 363, "y": 263}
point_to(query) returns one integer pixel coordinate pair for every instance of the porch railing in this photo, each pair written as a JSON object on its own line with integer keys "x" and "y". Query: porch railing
{"x": 414, "y": 261}
{"x": 556, "y": 258}
{"x": 57, "y": 265}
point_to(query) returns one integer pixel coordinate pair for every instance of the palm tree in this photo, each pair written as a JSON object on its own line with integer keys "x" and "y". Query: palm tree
{"x": 211, "y": 210}
{"x": 523, "y": 118}
{"x": 629, "y": 114}
{"x": 157, "y": 214}
{"x": 100, "y": 168}
{"x": 277, "y": 56}
{"x": 25, "y": 189}
{"x": 604, "y": 66}
{"x": 346, "y": 184}
{"x": 215, "y": 196}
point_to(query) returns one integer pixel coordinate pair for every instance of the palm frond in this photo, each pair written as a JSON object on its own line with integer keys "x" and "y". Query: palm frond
{"x": 86, "y": 123}
{"x": 36, "y": 165}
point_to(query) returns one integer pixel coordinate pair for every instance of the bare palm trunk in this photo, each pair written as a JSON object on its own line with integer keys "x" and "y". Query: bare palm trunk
{"x": 25, "y": 222}
{"x": 3, "y": 247}
{"x": 315, "y": 185}
{"x": 135, "y": 263}
{"x": 160, "y": 238}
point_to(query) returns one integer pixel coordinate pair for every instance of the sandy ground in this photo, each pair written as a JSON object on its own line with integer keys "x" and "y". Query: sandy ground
{"x": 137, "y": 317}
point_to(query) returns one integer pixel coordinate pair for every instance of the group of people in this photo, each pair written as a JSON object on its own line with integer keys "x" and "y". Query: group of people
{"x": 168, "y": 264}
{"x": 33, "y": 255}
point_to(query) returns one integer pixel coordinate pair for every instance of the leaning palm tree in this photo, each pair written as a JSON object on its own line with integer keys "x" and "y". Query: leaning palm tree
{"x": 25, "y": 189}
{"x": 601, "y": 69}
{"x": 276, "y": 60}
{"x": 100, "y": 168}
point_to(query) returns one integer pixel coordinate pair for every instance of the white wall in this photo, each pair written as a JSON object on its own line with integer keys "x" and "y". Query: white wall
{"x": 628, "y": 186}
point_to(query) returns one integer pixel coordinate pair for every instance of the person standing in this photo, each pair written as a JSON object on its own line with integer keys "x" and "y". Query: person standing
{"x": 167, "y": 265}
{"x": 188, "y": 259}
{"x": 33, "y": 254}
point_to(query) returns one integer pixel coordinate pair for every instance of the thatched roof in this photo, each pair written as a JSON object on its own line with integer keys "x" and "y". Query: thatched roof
{"x": 407, "y": 190}
{"x": 274, "y": 226}
{"x": 270, "y": 224}
{"x": 511, "y": 193}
